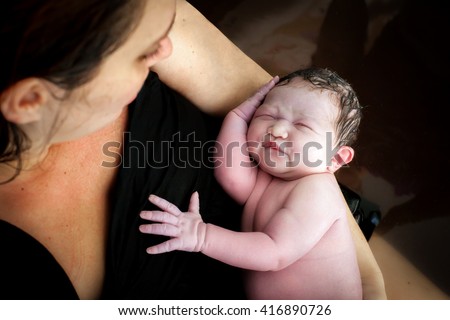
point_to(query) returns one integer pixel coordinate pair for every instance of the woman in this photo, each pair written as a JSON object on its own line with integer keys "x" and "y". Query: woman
{"x": 70, "y": 196}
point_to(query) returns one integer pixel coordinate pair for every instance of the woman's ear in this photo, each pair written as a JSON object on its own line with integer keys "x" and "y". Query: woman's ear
{"x": 343, "y": 156}
{"x": 23, "y": 102}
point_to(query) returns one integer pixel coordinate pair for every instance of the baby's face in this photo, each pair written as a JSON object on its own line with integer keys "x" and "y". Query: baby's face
{"x": 292, "y": 133}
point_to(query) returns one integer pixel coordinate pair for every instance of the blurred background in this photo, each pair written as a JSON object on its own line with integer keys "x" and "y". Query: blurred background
{"x": 393, "y": 52}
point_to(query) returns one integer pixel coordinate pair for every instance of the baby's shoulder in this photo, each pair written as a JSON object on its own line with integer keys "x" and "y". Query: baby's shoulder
{"x": 316, "y": 182}
{"x": 318, "y": 188}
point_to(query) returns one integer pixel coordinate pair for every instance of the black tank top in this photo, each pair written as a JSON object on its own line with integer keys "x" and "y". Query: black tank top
{"x": 167, "y": 152}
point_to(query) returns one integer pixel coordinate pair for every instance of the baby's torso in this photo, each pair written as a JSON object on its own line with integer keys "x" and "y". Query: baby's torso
{"x": 328, "y": 271}
{"x": 265, "y": 200}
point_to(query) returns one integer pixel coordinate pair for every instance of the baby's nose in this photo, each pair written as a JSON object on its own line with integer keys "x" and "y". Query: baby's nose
{"x": 279, "y": 130}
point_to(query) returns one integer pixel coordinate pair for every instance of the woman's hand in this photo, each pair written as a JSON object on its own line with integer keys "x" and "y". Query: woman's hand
{"x": 186, "y": 229}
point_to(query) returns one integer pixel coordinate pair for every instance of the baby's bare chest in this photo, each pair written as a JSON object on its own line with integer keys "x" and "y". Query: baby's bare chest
{"x": 267, "y": 198}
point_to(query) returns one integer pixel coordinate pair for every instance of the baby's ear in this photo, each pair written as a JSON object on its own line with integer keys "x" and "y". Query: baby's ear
{"x": 22, "y": 103}
{"x": 343, "y": 156}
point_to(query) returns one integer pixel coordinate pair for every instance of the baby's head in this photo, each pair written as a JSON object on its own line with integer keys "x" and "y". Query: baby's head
{"x": 306, "y": 124}
{"x": 349, "y": 117}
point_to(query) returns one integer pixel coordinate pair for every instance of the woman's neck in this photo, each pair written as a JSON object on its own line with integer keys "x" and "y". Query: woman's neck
{"x": 31, "y": 162}
{"x": 44, "y": 157}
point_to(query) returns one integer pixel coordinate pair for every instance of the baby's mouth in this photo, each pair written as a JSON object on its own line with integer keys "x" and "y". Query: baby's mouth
{"x": 270, "y": 144}
{"x": 279, "y": 148}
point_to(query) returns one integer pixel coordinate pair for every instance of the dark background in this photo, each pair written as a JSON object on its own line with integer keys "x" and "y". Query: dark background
{"x": 395, "y": 55}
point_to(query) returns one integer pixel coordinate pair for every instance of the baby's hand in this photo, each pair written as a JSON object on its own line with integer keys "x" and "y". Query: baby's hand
{"x": 247, "y": 108}
{"x": 186, "y": 229}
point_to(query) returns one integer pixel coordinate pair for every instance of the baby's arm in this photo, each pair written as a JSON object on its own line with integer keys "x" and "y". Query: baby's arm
{"x": 233, "y": 167}
{"x": 288, "y": 236}
{"x": 188, "y": 232}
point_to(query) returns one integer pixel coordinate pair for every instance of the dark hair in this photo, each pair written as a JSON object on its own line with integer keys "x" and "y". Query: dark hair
{"x": 60, "y": 41}
{"x": 350, "y": 110}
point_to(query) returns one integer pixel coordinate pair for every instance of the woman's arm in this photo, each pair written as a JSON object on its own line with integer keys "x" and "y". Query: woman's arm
{"x": 205, "y": 66}
{"x": 371, "y": 276}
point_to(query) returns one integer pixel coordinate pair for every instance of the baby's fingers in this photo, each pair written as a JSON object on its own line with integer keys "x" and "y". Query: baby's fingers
{"x": 167, "y": 246}
{"x": 159, "y": 216}
{"x": 162, "y": 229}
{"x": 262, "y": 91}
{"x": 164, "y": 205}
